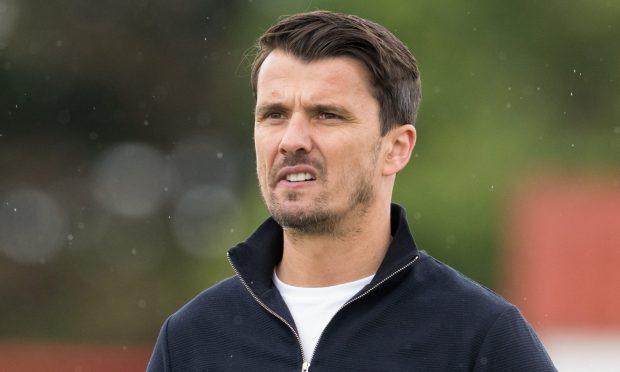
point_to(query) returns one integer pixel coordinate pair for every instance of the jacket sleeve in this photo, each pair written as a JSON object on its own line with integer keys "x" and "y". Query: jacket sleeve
{"x": 160, "y": 359}
{"x": 512, "y": 345}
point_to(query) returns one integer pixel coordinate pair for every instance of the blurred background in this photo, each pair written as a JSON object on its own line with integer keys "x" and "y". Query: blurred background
{"x": 127, "y": 165}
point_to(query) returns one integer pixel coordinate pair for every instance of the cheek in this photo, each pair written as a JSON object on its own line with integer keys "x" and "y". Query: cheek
{"x": 267, "y": 141}
{"x": 260, "y": 165}
{"x": 354, "y": 158}
{"x": 261, "y": 174}
{"x": 264, "y": 155}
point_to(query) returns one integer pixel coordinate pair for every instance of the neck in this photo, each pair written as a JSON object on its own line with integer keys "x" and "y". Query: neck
{"x": 355, "y": 251}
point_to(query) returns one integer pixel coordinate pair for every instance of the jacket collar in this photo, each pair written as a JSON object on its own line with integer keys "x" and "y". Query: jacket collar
{"x": 255, "y": 258}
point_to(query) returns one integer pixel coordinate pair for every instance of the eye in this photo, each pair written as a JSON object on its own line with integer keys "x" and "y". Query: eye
{"x": 328, "y": 116}
{"x": 274, "y": 115}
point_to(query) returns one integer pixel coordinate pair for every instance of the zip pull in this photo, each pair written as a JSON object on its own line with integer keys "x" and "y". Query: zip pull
{"x": 305, "y": 366}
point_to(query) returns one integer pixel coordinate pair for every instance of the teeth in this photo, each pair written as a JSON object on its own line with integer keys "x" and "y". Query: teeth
{"x": 298, "y": 177}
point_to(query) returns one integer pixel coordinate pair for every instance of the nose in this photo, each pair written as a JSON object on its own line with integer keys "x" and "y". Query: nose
{"x": 297, "y": 136}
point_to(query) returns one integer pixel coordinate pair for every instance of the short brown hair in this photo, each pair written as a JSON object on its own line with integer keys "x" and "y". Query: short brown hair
{"x": 395, "y": 78}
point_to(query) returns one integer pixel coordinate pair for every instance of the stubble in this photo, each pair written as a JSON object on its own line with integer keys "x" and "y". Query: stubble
{"x": 320, "y": 219}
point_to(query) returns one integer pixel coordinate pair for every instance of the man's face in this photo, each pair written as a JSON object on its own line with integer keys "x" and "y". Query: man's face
{"x": 317, "y": 141}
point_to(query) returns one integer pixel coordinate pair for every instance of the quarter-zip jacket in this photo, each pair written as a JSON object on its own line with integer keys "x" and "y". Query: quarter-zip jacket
{"x": 417, "y": 314}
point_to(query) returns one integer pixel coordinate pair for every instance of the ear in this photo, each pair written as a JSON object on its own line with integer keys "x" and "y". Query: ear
{"x": 401, "y": 141}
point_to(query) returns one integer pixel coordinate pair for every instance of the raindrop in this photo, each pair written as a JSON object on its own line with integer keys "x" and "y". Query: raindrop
{"x": 132, "y": 246}
{"x": 159, "y": 93}
{"x": 189, "y": 156}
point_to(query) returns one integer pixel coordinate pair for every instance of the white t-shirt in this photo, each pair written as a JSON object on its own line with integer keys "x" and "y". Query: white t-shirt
{"x": 313, "y": 308}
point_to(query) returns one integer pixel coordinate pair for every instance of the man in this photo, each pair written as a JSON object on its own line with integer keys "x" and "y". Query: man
{"x": 333, "y": 280}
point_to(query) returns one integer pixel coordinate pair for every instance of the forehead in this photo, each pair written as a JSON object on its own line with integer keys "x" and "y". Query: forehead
{"x": 281, "y": 72}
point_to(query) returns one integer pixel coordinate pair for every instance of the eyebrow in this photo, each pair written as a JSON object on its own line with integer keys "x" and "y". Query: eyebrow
{"x": 313, "y": 109}
{"x": 333, "y": 108}
{"x": 269, "y": 107}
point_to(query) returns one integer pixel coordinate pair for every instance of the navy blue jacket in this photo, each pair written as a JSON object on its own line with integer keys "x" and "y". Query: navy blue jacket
{"x": 417, "y": 314}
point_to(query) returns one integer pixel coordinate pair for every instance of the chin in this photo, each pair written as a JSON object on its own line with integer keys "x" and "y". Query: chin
{"x": 304, "y": 218}
{"x": 290, "y": 210}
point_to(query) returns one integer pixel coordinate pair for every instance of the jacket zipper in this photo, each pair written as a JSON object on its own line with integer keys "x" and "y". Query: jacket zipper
{"x": 305, "y": 367}
{"x": 363, "y": 295}
{"x": 305, "y": 364}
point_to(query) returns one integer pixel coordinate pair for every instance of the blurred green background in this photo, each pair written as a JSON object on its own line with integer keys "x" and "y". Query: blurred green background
{"x": 126, "y": 156}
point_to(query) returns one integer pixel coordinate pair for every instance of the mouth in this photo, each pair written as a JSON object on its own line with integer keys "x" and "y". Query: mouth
{"x": 299, "y": 177}
{"x": 295, "y": 175}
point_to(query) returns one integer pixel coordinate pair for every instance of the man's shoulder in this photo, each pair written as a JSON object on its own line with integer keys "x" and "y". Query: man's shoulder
{"x": 211, "y": 303}
{"x": 499, "y": 337}
{"x": 446, "y": 284}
